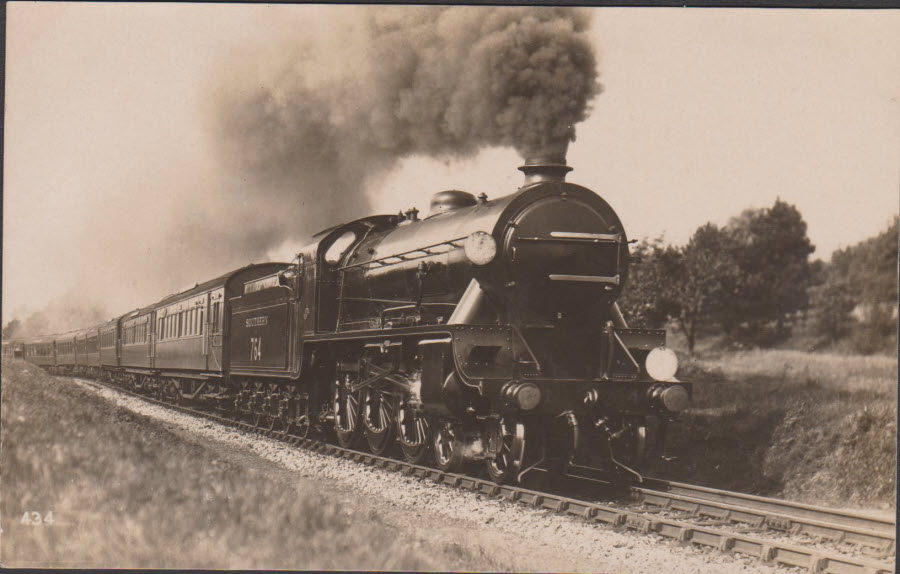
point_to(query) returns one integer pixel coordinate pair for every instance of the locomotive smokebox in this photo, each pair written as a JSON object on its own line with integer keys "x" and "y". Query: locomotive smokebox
{"x": 547, "y": 165}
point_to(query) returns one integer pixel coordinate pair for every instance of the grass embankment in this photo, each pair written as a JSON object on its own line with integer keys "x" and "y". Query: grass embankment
{"x": 125, "y": 492}
{"x": 819, "y": 428}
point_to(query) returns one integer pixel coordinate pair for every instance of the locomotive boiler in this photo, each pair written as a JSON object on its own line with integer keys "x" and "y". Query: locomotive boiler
{"x": 486, "y": 330}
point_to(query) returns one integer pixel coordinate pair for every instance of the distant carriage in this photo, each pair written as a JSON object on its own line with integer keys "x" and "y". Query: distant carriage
{"x": 13, "y": 349}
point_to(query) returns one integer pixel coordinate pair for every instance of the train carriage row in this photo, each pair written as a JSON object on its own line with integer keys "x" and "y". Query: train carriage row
{"x": 183, "y": 332}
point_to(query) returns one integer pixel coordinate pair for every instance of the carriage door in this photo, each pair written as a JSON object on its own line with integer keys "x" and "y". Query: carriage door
{"x": 151, "y": 338}
{"x": 213, "y": 340}
{"x": 202, "y": 305}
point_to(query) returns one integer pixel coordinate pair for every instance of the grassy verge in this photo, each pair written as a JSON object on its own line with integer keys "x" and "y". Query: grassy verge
{"x": 127, "y": 493}
{"x": 819, "y": 428}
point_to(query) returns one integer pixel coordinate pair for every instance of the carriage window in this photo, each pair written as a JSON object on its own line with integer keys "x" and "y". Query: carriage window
{"x": 215, "y": 317}
{"x": 339, "y": 247}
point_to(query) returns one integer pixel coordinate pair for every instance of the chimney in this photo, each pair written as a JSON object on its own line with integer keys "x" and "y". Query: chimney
{"x": 547, "y": 166}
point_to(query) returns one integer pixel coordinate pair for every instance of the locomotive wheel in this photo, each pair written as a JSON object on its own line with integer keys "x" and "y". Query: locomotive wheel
{"x": 505, "y": 467}
{"x": 414, "y": 434}
{"x": 300, "y": 426}
{"x": 265, "y": 422}
{"x": 173, "y": 392}
{"x": 347, "y": 424}
{"x": 631, "y": 445}
{"x": 378, "y": 418}
{"x": 448, "y": 447}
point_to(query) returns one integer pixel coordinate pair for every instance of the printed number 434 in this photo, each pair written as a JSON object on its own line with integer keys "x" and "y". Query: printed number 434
{"x": 34, "y": 518}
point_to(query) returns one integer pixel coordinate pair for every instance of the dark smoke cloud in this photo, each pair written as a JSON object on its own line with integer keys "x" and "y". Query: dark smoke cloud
{"x": 330, "y": 118}
{"x": 73, "y": 310}
{"x": 302, "y": 126}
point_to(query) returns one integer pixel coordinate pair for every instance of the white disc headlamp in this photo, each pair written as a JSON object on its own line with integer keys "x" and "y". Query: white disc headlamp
{"x": 662, "y": 364}
{"x": 480, "y": 248}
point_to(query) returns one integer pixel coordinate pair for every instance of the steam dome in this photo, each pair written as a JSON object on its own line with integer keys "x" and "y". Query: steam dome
{"x": 449, "y": 200}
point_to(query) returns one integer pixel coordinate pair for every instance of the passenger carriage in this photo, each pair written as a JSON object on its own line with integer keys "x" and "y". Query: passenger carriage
{"x": 40, "y": 351}
{"x": 65, "y": 352}
{"x": 109, "y": 344}
{"x": 87, "y": 352}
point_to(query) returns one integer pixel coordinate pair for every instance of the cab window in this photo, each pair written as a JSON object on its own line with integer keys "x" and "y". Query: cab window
{"x": 339, "y": 247}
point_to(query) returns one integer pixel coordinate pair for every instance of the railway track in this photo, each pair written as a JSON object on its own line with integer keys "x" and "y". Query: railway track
{"x": 764, "y": 528}
{"x": 877, "y": 535}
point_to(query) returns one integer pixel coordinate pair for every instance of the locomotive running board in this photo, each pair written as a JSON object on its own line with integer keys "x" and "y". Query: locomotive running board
{"x": 614, "y": 280}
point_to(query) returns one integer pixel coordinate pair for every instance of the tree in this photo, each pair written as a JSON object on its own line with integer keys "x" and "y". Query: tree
{"x": 862, "y": 282}
{"x": 772, "y": 250}
{"x": 708, "y": 281}
{"x": 834, "y": 300}
{"x": 690, "y": 285}
{"x": 649, "y": 299}
{"x": 11, "y": 330}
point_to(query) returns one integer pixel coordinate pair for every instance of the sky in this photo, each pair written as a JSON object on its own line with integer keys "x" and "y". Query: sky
{"x": 116, "y": 191}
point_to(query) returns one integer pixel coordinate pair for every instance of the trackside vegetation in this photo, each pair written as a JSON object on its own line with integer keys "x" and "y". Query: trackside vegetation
{"x": 87, "y": 484}
{"x": 812, "y": 427}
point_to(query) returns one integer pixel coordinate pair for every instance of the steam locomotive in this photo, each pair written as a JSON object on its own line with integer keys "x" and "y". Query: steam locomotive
{"x": 486, "y": 331}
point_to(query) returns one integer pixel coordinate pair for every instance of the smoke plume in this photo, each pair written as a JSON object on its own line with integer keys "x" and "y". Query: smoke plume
{"x": 299, "y": 124}
{"x": 66, "y": 313}
{"x": 310, "y": 126}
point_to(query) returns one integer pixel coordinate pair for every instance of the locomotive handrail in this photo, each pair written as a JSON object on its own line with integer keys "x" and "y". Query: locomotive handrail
{"x": 572, "y": 237}
{"x": 376, "y": 300}
{"x": 403, "y": 256}
{"x": 537, "y": 363}
{"x": 412, "y": 306}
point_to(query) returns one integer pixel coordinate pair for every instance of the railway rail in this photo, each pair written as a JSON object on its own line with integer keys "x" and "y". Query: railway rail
{"x": 839, "y": 526}
{"x": 650, "y": 501}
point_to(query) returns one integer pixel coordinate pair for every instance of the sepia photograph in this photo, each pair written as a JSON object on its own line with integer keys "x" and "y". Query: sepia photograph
{"x": 449, "y": 288}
